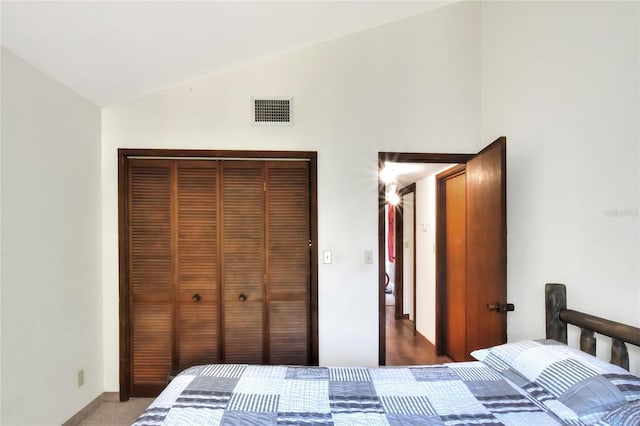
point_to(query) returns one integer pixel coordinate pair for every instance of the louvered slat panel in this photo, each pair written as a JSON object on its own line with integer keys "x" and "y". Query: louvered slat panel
{"x": 243, "y": 260}
{"x": 288, "y": 228}
{"x": 197, "y": 326}
{"x": 152, "y": 343}
{"x": 151, "y": 272}
{"x": 198, "y": 340}
{"x": 288, "y": 341}
{"x": 288, "y": 262}
{"x": 244, "y": 338}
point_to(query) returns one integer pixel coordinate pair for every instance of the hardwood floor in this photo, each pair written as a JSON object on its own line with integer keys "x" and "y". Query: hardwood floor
{"x": 403, "y": 348}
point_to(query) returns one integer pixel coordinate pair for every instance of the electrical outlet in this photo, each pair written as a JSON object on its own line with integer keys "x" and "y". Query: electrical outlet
{"x": 80, "y": 378}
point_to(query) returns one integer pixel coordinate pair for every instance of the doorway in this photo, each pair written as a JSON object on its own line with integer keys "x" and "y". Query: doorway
{"x": 485, "y": 245}
{"x": 405, "y": 229}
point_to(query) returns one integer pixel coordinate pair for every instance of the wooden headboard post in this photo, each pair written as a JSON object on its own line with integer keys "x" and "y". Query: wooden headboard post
{"x": 558, "y": 316}
{"x": 556, "y": 301}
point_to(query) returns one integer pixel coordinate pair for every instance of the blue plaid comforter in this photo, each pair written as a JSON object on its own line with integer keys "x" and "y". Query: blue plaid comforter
{"x": 467, "y": 393}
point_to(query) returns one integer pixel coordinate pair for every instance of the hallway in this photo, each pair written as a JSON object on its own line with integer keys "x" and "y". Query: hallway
{"x": 403, "y": 348}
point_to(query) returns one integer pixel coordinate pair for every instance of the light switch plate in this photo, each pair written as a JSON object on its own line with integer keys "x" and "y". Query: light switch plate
{"x": 368, "y": 257}
{"x": 326, "y": 256}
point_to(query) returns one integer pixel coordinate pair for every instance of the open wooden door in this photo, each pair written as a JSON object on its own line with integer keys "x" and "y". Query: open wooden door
{"x": 453, "y": 257}
{"x": 486, "y": 256}
{"x": 471, "y": 283}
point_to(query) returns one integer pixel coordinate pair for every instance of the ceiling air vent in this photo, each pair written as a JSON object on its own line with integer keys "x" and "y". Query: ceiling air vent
{"x": 272, "y": 111}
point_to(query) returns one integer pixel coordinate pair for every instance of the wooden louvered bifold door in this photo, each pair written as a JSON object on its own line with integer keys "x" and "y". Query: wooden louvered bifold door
{"x": 151, "y": 266}
{"x": 219, "y": 265}
{"x": 243, "y": 261}
{"x": 197, "y": 264}
{"x": 288, "y": 268}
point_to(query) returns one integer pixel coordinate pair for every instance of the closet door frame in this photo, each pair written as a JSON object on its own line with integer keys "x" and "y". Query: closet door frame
{"x": 124, "y": 157}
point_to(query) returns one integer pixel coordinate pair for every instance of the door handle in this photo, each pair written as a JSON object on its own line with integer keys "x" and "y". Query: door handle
{"x": 242, "y": 297}
{"x": 501, "y": 307}
{"x": 196, "y": 297}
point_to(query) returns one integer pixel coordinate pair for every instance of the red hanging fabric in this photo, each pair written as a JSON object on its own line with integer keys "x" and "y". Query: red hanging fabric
{"x": 390, "y": 233}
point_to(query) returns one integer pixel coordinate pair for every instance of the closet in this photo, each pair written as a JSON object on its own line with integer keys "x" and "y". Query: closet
{"x": 218, "y": 266}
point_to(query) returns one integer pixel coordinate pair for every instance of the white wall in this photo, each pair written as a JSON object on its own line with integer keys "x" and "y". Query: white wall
{"x": 412, "y": 85}
{"x": 51, "y": 275}
{"x": 560, "y": 80}
{"x": 426, "y": 257}
{"x": 1, "y": 203}
{"x": 389, "y": 266}
{"x": 407, "y": 255}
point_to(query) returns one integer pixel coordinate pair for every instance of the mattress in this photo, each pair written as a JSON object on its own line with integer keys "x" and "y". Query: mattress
{"x": 446, "y": 394}
{"x": 534, "y": 382}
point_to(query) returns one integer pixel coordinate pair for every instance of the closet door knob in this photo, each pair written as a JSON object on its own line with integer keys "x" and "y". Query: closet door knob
{"x": 196, "y": 297}
{"x": 242, "y": 297}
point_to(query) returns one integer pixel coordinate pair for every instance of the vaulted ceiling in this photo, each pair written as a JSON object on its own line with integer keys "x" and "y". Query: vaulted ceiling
{"x": 113, "y": 51}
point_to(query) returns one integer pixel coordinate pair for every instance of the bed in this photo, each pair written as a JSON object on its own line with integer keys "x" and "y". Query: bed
{"x": 535, "y": 382}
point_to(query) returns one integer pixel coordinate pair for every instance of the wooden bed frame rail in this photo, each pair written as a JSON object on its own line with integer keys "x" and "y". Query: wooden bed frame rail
{"x": 558, "y": 317}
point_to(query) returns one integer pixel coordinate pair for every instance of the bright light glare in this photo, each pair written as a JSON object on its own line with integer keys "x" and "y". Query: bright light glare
{"x": 387, "y": 175}
{"x": 392, "y": 198}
